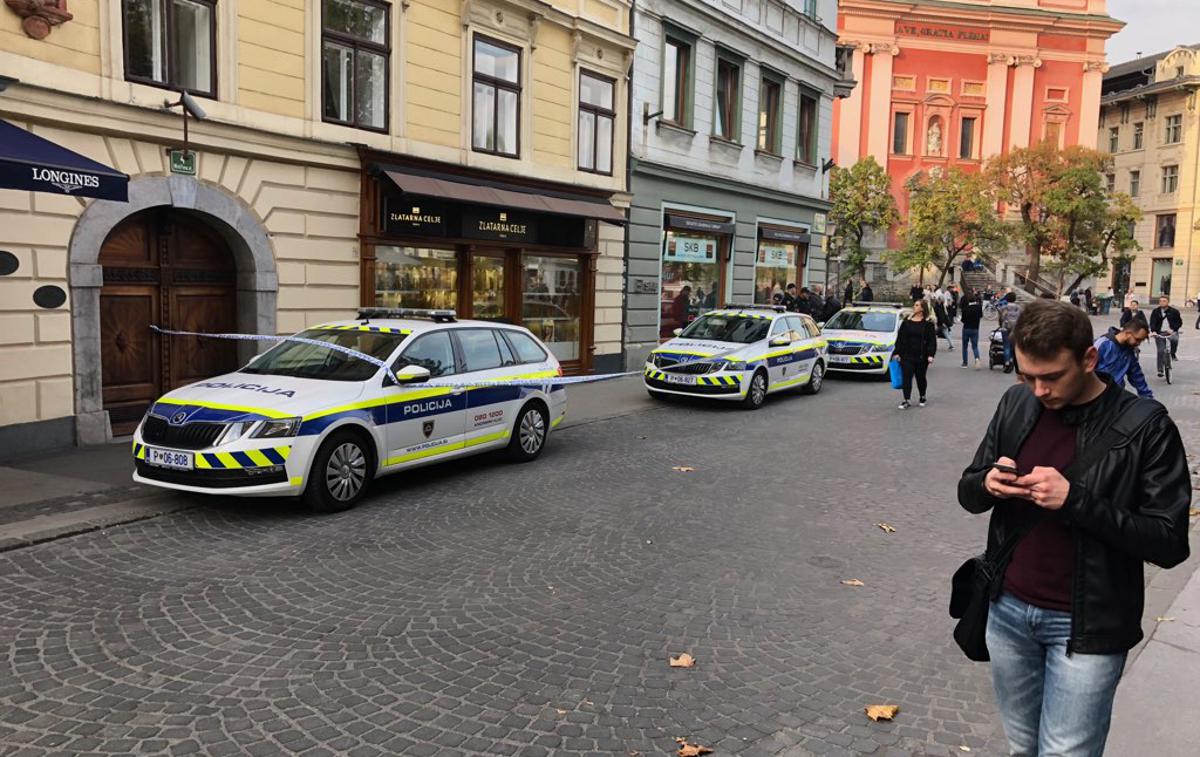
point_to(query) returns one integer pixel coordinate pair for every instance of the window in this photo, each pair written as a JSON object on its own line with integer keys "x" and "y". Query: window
{"x": 1139, "y": 129}
{"x": 1151, "y": 106}
{"x": 354, "y": 63}
{"x": 1135, "y": 183}
{"x": 1114, "y": 138}
{"x": 677, "y": 77}
{"x": 1110, "y": 182}
{"x": 1174, "y": 131}
{"x": 729, "y": 100}
{"x": 416, "y": 277}
{"x": 966, "y": 138}
{"x": 479, "y": 349}
{"x": 810, "y": 8}
{"x": 1054, "y": 130}
{"x": 1179, "y": 70}
{"x": 807, "y": 147}
{"x": 900, "y": 133}
{"x": 528, "y": 350}
{"x": 171, "y": 44}
{"x": 553, "y": 303}
{"x": 596, "y": 117}
{"x": 433, "y": 352}
{"x": 1170, "y": 179}
{"x": 769, "y": 102}
{"x": 496, "y": 103}
{"x": 1164, "y": 230}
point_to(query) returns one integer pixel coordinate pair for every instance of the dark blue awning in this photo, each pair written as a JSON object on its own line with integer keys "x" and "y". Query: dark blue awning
{"x": 30, "y": 162}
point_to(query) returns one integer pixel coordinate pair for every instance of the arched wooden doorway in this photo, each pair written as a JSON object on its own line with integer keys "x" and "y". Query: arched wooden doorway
{"x": 164, "y": 267}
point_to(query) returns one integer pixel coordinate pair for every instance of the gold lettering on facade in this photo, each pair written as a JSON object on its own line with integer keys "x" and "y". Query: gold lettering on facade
{"x": 502, "y": 228}
{"x": 952, "y": 33}
{"x": 415, "y": 217}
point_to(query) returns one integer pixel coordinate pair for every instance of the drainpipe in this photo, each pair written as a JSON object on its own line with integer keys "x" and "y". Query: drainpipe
{"x": 1194, "y": 226}
{"x": 628, "y": 188}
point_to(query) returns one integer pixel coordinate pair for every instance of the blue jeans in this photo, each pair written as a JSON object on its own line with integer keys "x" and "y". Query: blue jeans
{"x": 1052, "y": 705}
{"x": 970, "y": 336}
{"x": 1008, "y": 350}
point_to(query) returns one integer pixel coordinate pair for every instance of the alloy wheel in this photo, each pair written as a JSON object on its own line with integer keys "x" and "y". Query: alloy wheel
{"x": 758, "y": 389}
{"x": 346, "y": 471}
{"x": 532, "y": 432}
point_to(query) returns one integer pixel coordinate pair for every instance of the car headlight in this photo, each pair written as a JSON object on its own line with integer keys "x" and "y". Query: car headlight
{"x": 734, "y": 365}
{"x": 233, "y": 432}
{"x": 278, "y": 428}
{"x": 881, "y": 348}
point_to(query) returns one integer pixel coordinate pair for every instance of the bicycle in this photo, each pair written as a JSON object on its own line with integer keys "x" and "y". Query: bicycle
{"x": 1162, "y": 343}
{"x": 990, "y": 311}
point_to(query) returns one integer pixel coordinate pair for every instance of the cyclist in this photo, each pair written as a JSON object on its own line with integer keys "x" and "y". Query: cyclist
{"x": 1118, "y": 355}
{"x": 1166, "y": 321}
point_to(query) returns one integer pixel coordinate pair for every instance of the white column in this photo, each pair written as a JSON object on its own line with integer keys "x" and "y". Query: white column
{"x": 1089, "y": 105}
{"x": 997, "y": 101}
{"x": 1022, "y": 106}
{"x": 879, "y": 108}
{"x": 850, "y": 117}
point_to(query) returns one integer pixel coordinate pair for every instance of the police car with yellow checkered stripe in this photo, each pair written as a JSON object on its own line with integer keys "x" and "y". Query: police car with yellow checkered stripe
{"x": 306, "y": 419}
{"x": 739, "y": 353}
{"x": 862, "y": 336}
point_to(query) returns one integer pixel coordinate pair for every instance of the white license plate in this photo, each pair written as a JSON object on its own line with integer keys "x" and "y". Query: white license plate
{"x": 673, "y": 378}
{"x": 169, "y": 458}
{"x": 839, "y": 358}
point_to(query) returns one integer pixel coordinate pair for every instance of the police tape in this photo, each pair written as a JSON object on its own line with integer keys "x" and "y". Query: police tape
{"x": 547, "y": 381}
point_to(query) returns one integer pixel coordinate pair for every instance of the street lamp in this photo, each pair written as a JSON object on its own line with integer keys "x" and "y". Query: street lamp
{"x": 190, "y": 107}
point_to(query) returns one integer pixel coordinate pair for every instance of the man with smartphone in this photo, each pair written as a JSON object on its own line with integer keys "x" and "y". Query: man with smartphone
{"x": 1068, "y": 601}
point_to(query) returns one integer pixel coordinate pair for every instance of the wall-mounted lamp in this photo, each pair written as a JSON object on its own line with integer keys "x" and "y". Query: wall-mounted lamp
{"x": 647, "y": 115}
{"x": 828, "y": 165}
{"x": 190, "y": 108}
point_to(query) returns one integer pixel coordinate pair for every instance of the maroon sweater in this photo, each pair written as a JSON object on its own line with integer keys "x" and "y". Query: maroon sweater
{"x": 1044, "y": 561}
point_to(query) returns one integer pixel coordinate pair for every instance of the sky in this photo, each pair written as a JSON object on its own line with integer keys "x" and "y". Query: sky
{"x": 1152, "y": 26}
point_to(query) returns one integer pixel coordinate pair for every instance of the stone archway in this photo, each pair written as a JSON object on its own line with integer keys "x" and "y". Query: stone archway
{"x": 237, "y": 224}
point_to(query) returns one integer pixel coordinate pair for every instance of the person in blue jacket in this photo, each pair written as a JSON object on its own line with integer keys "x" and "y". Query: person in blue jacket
{"x": 1118, "y": 354}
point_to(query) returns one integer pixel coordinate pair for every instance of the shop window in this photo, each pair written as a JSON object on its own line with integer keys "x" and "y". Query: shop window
{"x": 416, "y": 277}
{"x": 1174, "y": 129}
{"x": 677, "y": 81}
{"x": 1164, "y": 230}
{"x": 496, "y": 100}
{"x": 966, "y": 138}
{"x": 1139, "y": 130}
{"x": 553, "y": 303}
{"x": 770, "y": 105}
{"x": 1135, "y": 183}
{"x": 807, "y": 147}
{"x": 354, "y": 63}
{"x": 479, "y": 349}
{"x": 1170, "y": 179}
{"x": 596, "y": 117}
{"x": 728, "y": 113}
{"x": 691, "y": 278}
{"x": 900, "y": 133}
{"x": 171, "y": 44}
{"x": 1114, "y": 138}
{"x": 433, "y": 352}
{"x": 1160, "y": 277}
{"x": 487, "y": 288}
{"x": 775, "y": 267}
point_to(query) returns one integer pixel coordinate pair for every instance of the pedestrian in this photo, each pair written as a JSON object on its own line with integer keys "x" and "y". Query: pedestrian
{"x": 1165, "y": 314}
{"x": 789, "y": 298}
{"x": 866, "y": 294}
{"x": 849, "y": 297}
{"x": 1198, "y": 310}
{"x": 1088, "y": 299}
{"x": 972, "y": 314}
{"x": 916, "y": 346}
{"x": 1008, "y": 321}
{"x": 952, "y": 302}
{"x": 916, "y": 292}
{"x": 942, "y": 318}
{"x": 1130, "y": 312}
{"x": 1100, "y": 486}
{"x": 832, "y": 306}
{"x": 816, "y": 300}
{"x": 803, "y": 303}
{"x": 1118, "y": 355}
{"x": 1075, "y": 298}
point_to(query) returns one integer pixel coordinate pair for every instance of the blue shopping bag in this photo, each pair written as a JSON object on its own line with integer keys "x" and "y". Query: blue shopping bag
{"x": 897, "y": 374}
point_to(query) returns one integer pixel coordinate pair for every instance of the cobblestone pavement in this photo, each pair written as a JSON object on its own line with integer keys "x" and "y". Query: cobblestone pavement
{"x": 485, "y": 608}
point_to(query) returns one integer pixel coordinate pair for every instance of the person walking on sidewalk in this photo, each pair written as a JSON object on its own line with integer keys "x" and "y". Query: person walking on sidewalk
{"x": 1070, "y": 598}
{"x": 1166, "y": 315}
{"x": 866, "y": 294}
{"x": 1008, "y": 321}
{"x": 916, "y": 345}
{"x": 972, "y": 314}
{"x": 943, "y": 321}
{"x": 1117, "y": 353}
{"x": 849, "y": 298}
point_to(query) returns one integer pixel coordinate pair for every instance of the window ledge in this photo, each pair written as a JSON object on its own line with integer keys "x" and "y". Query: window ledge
{"x": 768, "y": 155}
{"x": 672, "y": 127}
{"x": 804, "y": 165}
{"x": 726, "y": 146}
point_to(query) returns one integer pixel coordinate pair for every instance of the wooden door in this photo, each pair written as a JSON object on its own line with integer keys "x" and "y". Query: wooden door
{"x": 167, "y": 268}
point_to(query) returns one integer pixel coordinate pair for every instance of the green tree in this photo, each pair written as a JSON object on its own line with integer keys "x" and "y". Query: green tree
{"x": 862, "y": 201}
{"x": 949, "y": 213}
{"x": 1101, "y": 241}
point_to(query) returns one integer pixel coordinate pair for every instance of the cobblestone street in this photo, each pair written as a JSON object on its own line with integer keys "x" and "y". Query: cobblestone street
{"x": 487, "y": 608}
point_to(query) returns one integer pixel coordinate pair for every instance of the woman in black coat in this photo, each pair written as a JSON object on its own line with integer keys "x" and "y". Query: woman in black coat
{"x": 916, "y": 344}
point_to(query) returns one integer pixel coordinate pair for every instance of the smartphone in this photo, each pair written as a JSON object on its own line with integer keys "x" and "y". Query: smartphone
{"x": 1005, "y": 468}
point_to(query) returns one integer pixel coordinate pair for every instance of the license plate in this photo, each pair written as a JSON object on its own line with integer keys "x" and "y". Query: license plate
{"x": 676, "y": 379}
{"x": 839, "y": 358}
{"x": 169, "y": 458}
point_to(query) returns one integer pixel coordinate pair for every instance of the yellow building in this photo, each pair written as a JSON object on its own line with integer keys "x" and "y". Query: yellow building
{"x": 1150, "y": 122}
{"x": 353, "y": 152}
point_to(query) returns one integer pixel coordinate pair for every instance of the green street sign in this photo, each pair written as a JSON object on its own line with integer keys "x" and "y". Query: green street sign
{"x": 183, "y": 162}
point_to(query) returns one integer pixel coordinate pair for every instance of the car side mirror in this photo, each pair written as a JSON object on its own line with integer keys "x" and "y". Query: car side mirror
{"x": 821, "y": 325}
{"x": 781, "y": 341}
{"x": 253, "y": 359}
{"x": 409, "y": 374}
{"x": 677, "y": 332}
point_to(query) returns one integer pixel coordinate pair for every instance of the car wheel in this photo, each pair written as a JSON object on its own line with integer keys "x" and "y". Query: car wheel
{"x": 756, "y": 394}
{"x": 529, "y": 434}
{"x": 340, "y": 474}
{"x": 815, "y": 380}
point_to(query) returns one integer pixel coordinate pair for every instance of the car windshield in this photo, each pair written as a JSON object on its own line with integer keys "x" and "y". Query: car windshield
{"x": 304, "y": 360}
{"x": 728, "y": 328}
{"x": 859, "y": 320}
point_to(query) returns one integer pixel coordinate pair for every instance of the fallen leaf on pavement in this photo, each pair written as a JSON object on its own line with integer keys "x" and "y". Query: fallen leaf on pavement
{"x": 683, "y": 468}
{"x": 964, "y": 749}
{"x": 879, "y": 712}
{"x": 852, "y": 582}
{"x": 561, "y": 712}
{"x": 691, "y": 750}
{"x": 887, "y": 528}
{"x": 684, "y": 660}
{"x": 1164, "y": 619}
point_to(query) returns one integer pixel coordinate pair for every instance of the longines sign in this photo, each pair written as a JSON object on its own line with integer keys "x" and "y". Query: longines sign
{"x": 942, "y": 32}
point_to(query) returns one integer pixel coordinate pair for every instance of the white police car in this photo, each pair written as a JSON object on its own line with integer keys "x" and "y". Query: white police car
{"x": 303, "y": 419}
{"x": 741, "y": 352}
{"x": 862, "y": 337}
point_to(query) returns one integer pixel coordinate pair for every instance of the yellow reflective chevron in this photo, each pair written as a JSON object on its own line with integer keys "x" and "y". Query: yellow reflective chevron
{"x": 363, "y": 327}
{"x": 867, "y": 360}
{"x": 239, "y": 460}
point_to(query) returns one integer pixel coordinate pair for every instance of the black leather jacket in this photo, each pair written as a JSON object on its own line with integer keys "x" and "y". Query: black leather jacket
{"x": 1129, "y": 508}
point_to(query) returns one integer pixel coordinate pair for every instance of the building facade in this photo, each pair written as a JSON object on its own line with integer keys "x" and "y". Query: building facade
{"x": 730, "y": 138}
{"x": 1150, "y": 122}
{"x": 953, "y": 84}
{"x": 319, "y": 117}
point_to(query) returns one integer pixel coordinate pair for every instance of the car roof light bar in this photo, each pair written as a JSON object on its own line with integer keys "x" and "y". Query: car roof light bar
{"x": 753, "y": 306}
{"x": 860, "y": 304}
{"x": 437, "y": 316}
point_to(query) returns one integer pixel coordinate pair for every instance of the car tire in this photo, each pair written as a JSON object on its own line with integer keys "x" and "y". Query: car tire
{"x": 529, "y": 434}
{"x": 756, "y": 393}
{"x": 816, "y": 380}
{"x": 340, "y": 474}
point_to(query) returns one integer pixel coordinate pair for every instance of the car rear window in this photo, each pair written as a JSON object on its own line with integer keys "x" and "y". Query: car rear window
{"x": 528, "y": 350}
{"x": 479, "y": 348}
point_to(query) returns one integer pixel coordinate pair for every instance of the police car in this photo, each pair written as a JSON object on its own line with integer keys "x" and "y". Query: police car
{"x": 305, "y": 419}
{"x": 862, "y": 337}
{"x": 739, "y": 353}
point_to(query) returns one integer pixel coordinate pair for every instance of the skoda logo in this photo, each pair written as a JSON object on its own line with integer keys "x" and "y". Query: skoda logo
{"x": 179, "y": 418}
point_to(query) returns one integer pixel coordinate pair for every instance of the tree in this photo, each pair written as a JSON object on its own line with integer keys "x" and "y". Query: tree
{"x": 1096, "y": 246}
{"x": 1060, "y": 200}
{"x": 949, "y": 213}
{"x": 862, "y": 200}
